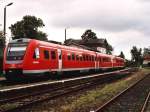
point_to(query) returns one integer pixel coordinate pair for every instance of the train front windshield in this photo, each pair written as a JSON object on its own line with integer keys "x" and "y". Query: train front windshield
{"x": 16, "y": 51}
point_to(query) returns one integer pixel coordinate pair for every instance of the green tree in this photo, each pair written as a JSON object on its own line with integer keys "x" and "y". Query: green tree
{"x": 146, "y": 51}
{"x": 108, "y": 47}
{"x": 136, "y": 55}
{"x": 2, "y": 45}
{"x": 28, "y": 28}
{"x": 88, "y": 34}
{"x": 2, "y": 39}
{"x": 122, "y": 55}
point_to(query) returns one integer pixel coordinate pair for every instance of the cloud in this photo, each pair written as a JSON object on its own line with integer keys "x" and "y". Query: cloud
{"x": 104, "y": 15}
{"x": 126, "y": 22}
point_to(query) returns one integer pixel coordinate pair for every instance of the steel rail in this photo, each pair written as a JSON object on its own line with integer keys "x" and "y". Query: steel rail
{"x": 73, "y": 85}
{"x": 55, "y": 94}
{"x": 146, "y": 102}
{"x": 62, "y": 86}
{"x": 109, "y": 102}
{"x": 65, "y": 80}
{"x": 5, "y": 93}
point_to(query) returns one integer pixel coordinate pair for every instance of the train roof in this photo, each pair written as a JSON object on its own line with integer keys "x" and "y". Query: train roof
{"x": 20, "y": 40}
{"x": 44, "y": 43}
{"x": 51, "y": 44}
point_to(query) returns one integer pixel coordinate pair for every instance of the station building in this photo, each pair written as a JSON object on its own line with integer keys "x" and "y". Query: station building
{"x": 146, "y": 60}
{"x": 92, "y": 44}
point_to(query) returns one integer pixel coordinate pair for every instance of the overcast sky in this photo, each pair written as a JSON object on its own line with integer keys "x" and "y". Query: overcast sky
{"x": 124, "y": 23}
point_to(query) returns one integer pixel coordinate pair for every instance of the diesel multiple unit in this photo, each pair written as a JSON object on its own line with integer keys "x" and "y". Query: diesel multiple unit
{"x": 30, "y": 57}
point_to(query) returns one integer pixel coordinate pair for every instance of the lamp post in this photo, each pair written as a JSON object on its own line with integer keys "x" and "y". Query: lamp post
{"x": 65, "y": 34}
{"x": 5, "y": 18}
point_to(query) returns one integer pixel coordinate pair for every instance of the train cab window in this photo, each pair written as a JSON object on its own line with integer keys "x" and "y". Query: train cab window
{"x": 53, "y": 54}
{"x": 46, "y": 54}
{"x": 73, "y": 56}
{"x": 36, "y": 54}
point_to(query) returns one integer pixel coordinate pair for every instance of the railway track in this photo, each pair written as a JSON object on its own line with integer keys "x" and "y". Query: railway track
{"x": 133, "y": 99}
{"x": 11, "y": 84}
{"x": 15, "y": 89}
{"x": 146, "y": 106}
{"x": 43, "y": 96}
{"x": 58, "y": 89}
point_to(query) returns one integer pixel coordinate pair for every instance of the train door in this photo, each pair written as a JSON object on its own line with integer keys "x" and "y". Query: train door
{"x": 96, "y": 62}
{"x": 59, "y": 59}
{"x": 112, "y": 62}
{"x": 95, "y": 58}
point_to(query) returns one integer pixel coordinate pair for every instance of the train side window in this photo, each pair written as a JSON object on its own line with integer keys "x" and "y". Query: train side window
{"x": 106, "y": 59}
{"x": 53, "y": 54}
{"x": 73, "y": 56}
{"x": 77, "y": 57}
{"x": 69, "y": 57}
{"x": 46, "y": 54}
{"x": 92, "y": 58}
{"x": 36, "y": 53}
{"x": 84, "y": 58}
{"x": 99, "y": 59}
{"x": 80, "y": 58}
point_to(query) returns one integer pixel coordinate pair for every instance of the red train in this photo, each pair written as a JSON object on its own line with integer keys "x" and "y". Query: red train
{"x": 30, "y": 57}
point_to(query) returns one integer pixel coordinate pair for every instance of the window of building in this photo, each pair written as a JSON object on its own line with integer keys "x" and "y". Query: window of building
{"x": 46, "y": 54}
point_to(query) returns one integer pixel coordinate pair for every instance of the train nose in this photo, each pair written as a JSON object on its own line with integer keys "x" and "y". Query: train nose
{"x": 14, "y": 66}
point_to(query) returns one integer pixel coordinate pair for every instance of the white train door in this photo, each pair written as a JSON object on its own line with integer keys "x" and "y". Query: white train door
{"x": 95, "y": 59}
{"x": 97, "y": 62}
{"x": 59, "y": 60}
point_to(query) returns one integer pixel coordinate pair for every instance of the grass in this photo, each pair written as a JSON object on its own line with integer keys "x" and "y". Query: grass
{"x": 98, "y": 96}
{"x": 8, "y": 106}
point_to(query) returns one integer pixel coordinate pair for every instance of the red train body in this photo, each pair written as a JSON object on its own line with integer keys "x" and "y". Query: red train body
{"x": 25, "y": 57}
